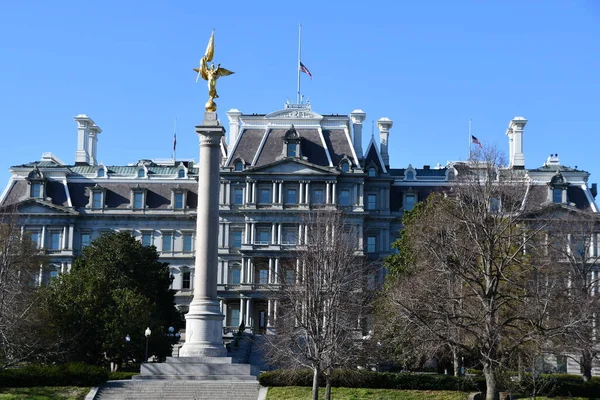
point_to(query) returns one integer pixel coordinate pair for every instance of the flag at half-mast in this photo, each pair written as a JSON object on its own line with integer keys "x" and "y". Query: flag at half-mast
{"x": 305, "y": 70}
{"x": 476, "y": 141}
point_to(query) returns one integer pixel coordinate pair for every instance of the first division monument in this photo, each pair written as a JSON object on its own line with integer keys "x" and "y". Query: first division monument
{"x": 204, "y": 320}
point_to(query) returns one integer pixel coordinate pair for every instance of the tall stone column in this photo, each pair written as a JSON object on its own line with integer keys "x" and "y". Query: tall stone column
{"x": 204, "y": 321}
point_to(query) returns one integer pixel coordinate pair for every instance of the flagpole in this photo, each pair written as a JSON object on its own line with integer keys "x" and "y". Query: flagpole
{"x": 469, "y": 139}
{"x": 299, "y": 54}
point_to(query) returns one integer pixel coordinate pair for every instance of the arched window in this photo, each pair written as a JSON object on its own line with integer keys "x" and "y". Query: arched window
{"x": 141, "y": 173}
{"x": 345, "y": 167}
{"x": 239, "y": 166}
{"x": 181, "y": 173}
{"x": 101, "y": 173}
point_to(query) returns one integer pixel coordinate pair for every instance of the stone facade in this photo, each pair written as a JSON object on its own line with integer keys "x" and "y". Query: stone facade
{"x": 274, "y": 168}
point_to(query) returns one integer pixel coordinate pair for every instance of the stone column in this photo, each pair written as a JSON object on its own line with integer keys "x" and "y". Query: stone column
{"x": 204, "y": 319}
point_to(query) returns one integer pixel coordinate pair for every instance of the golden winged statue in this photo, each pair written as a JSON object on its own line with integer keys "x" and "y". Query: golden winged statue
{"x": 211, "y": 74}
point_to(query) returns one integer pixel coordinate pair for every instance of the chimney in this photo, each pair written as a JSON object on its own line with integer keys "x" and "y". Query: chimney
{"x": 515, "y": 142}
{"x": 384, "y": 124}
{"x": 358, "y": 117}
{"x": 87, "y": 139}
{"x": 234, "y": 126}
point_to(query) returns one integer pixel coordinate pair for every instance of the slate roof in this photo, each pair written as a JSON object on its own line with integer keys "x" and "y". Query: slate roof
{"x": 338, "y": 145}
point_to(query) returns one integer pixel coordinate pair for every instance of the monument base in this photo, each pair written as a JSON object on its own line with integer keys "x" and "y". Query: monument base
{"x": 203, "y": 330}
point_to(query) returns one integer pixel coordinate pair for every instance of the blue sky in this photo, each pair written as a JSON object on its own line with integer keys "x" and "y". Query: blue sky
{"x": 427, "y": 65}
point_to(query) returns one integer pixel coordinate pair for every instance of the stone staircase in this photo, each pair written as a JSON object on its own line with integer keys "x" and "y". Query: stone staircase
{"x": 178, "y": 389}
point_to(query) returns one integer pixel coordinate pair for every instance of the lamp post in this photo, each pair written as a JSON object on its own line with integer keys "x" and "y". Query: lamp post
{"x": 147, "y": 334}
{"x": 127, "y": 340}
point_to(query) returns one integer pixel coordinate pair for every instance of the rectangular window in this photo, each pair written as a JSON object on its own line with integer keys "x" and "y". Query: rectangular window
{"x": 236, "y": 239}
{"x": 234, "y": 316}
{"x": 55, "y": 237}
{"x": 494, "y": 204}
{"x": 35, "y": 238}
{"x": 291, "y": 149}
{"x": 344, "y": 197}
{"x": 557, "y": 196}
{"x": 146, "y": 238}
{"x": 371, "y": 201}
{"x": 263, "y": 276}
{"x": 167, "y": 244}
{"x": 264, "y": 236}
{"x": 138, "y": 200}
{"x": 290, "y": 236}
{"x": 411, "y": 199}
{"x": 236, "y": 276}
{"x": 36, "y": 190}
{"x": 318, "y": 196}
{"x": 291, "y": 197}
{"x": 186, "y": 280}
{"x": 187, "y": 243}
{"x": 371, "y": 244}
{"x": 265, "y": 196}
{"x": 85, "y": 239}
{"x": 238, "y": 196}
{"x": 178, "y": 201}
{"x": 96, "y": 200}
{"x": 290, "y": 276}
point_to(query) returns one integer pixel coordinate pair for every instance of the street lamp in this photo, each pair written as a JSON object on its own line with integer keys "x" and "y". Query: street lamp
{"x": 127, "y": 340}
{"x": 147, "y": 334}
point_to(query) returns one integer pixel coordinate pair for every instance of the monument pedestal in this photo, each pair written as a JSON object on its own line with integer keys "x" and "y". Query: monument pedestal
{"x": 203, "y": 327}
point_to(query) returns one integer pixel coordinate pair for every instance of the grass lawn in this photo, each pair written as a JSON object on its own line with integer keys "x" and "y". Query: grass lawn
{"x": 296, "y": 392}
{"x": 44, "y": 393}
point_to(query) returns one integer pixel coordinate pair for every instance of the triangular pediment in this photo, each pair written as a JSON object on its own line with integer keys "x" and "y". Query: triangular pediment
{"x": 292, "y": 166}
{"x": 32, "y": 206}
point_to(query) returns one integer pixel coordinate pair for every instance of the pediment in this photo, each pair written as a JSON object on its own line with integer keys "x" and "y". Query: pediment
{"x": 292, "y": 167}
{"x": 294, "y": 113}
{"x": 43, "y": 207}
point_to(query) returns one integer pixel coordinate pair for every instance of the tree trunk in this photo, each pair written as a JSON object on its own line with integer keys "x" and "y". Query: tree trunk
{"x": 457, "y": 362}
{"x": 520, "y": 367}
{"x": 490, "y": 381}
{"x": 586, "y": 365}
{"x": 315, "y": 387}
{"x": 328, "y": 388}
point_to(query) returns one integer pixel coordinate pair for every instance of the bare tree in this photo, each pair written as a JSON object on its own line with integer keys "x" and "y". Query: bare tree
{"x": 21, "y": 336}
{"x": 573, "y": 246}
{"x": 464, "y": 274}
{"x": 321, "y": 300}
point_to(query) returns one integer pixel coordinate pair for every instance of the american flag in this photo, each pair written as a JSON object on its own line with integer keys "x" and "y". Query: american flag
{"x": 174, "y": 141}
{"x": 305, "y": 70}
{"x": 476, "y": 141}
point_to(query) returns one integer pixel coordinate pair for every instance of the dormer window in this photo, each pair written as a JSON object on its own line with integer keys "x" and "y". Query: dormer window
{"x": 291, "y": 141}
{"x": 181, "y": 173}
{"x": 141, "y": 173}
{"x": 178, "y": 198}
{"x": 558, "y": 189}
{"x": 410, "y": 176}
{"x": 101, "y": 173}
{"x": 291, "y": 150}
{"x": 97, "y": 195}
{"x": 372, "y": 172}
{"x": 138, "y": 198}
{"x": 36, "y": 190}
{"x": 238, "y": 166}
{"x": 37, "y": 184}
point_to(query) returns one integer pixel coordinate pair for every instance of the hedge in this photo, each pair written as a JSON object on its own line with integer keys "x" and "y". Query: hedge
{"x": 375, "y": 380}
{"x": 73, "y": 374}
{"x": 552, "y": 384}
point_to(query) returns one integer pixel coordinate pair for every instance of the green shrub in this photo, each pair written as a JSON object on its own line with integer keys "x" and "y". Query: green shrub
{"x": 374, "y": 380}
{"x": 73, "y": 374}
{"x": 121, "y": 375}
